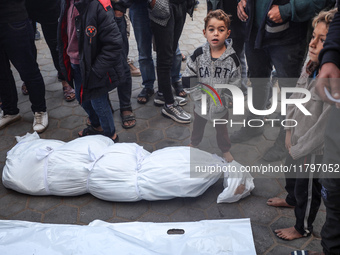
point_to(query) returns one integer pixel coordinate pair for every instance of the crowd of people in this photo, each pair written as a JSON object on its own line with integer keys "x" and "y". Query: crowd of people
{"x": 88, "y": 41}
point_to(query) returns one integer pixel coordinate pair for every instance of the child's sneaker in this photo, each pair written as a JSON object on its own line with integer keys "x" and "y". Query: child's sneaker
{"x": 176, "y": 113}
{"x": 40, "y": 122}
{"x": 159, "y": 100}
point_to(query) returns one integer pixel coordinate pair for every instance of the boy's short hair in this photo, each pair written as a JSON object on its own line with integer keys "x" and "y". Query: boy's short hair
{"x": 217, "y": 14}
{"x": 324, "y": 16}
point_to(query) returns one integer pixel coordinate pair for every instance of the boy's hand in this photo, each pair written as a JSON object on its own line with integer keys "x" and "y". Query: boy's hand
{"x": 274, "y": 14}
{"x": 329, "y": 78}
{"x": 288, "y": 142}
{"x": 240, "y": 10}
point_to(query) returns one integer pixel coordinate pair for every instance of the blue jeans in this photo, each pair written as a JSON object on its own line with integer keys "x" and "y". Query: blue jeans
{"x": 17, "y": 45}
{"x": 98, "y": 109}
{"x": 124, "y": 88}
{"x": 139, "y": 17}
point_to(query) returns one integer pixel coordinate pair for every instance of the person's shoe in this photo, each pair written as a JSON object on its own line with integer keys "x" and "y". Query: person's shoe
{"x": 7, "y": 119}
{"x": 176, "y": 113}
{"x": 159, "y": 100}
{"x": 40, "y": 122}
{"x": 278, "y": 151}
{"x": 134, "y": 70}
{"x": 245, "y": 134}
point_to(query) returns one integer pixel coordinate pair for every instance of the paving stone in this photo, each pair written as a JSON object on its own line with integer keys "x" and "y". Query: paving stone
{"x": 224, "y": 211}
{"x": 167, "y": 207}
{"x": 159, "y": 122}
{"x": 79, "y": 200}
{"x": 262, "y": 238}
{"x": 266, "y": 188}
{"x": 314, "y": 245}
{"x": 12, "y": 203}
{"x": 62, "y": 214}
{"x": 53, "y": 103}
{"x": 25, "y": 107}
{"x": 7, "y": 142}
{"x": 147, "y": 146}
{"x": 60, "y": 112}
{"x": 131, "y": 211}
{"x": 151, "y": 135}
{"x": 154, "y": 217}
{"x": 186, "y": 214}
{"x": 71, "y": 122}
{"x": 203, "y": 201}
{"x": 245, "y": 154}
{"x": 127, "y": 137}
{"x": 59, "y": 134}
{"x": 177, "y": 132}
{"x": 42, "y": 204}
{"x": 90, "y": 211}
{"x": 148, "y": 112}
{"x": 28, "y": 215}
{"x": 279, "y": 249}
{"x": 285, "y": 222}
{"x": 166, "y": 143}
{"x": 140, "y": 126}
{"x": 257, "y": 210}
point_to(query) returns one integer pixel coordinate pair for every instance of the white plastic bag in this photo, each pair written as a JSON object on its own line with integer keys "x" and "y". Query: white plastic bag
{"x": 228, "y": 237}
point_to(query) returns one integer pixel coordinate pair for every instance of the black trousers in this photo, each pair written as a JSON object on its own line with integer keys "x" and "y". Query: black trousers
{"x": 330, "y": 233}
{"x": 166, "y": 40}
{"x": 304, "y": 191}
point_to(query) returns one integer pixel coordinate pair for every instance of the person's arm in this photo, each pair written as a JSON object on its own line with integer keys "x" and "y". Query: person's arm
{"x": 296, "y": 10}
{"x": 329, "y": 57}
{"x": 190, "y": 74}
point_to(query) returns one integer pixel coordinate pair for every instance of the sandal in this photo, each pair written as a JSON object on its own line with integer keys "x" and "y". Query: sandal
{"x": 144, "y": 95}
{"x": 89, "y": 131}
{"x": 116, "y": 140}
{"x": 24, "y": 89}
{"x": 127, "y": 118}
{"x": 178, "y": 86}
{"x": 69, "y": 93}
{"x": 184, "y": 58}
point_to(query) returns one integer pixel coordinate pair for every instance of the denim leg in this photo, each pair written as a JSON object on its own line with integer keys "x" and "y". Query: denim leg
{"x": 124, "y": 88}
{"x": 87, "y": 106}
{"x": 101, "y": 106}
{"x": 176, "y": 66}
{"x": 17, "y": 41}
{"x": 139, "y": 16}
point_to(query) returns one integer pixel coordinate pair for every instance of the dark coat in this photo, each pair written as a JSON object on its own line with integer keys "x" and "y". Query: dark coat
{"x": 100, "y": 47}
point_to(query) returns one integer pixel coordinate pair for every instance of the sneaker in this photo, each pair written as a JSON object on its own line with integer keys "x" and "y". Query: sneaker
{"x": 176, "y": 113}
{"x": 159, "y": 100}
{"x": 40, "y": 122}
{"x": 134, "y": 70}
{"x": 245, "y": 134}
{"x": 7, "y": 119}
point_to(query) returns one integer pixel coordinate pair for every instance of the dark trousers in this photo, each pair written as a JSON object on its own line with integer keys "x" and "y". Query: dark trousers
{"x": 124, "y": 88}
{"x": 222, "y": 136}
{"x": 17, "y": 45}
{"x": 304, "y": 192}
{"x": 166, "y": 40}
{"x": 287, "y": 60}
{"x": 50, "y": 33}
{"x": 330, "y": 233}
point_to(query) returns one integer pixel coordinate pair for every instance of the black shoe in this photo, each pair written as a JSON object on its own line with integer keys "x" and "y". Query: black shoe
{"x": 178, "y": 87}
{"x": 159, "y": 100}
{"x": 176, "y": 113}
{"x": 245, "y": 134}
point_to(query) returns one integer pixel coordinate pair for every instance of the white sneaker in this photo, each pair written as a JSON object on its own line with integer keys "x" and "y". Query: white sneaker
{"x": 40, "y": 122}
{"x": 7, "y": 119}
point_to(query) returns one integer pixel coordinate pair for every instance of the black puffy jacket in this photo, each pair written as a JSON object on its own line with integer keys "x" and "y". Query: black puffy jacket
{"x": 100, "y": 47}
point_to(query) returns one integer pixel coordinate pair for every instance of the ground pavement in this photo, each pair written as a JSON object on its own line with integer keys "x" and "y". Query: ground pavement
{"x": 152, "y": 131}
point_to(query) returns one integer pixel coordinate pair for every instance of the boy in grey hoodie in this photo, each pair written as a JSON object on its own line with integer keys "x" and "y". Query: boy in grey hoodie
{"x": 213, "y": 63}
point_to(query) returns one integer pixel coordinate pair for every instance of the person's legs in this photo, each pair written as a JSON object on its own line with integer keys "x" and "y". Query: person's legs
{"x": 198, "y": 130}
{"x": 19, "y": 47}
{"x": 139, "y": 17}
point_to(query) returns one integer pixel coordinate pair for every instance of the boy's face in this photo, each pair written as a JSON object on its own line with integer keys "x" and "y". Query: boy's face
{"x": 316, "y": 43}
{"x": 216, "y": 32}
